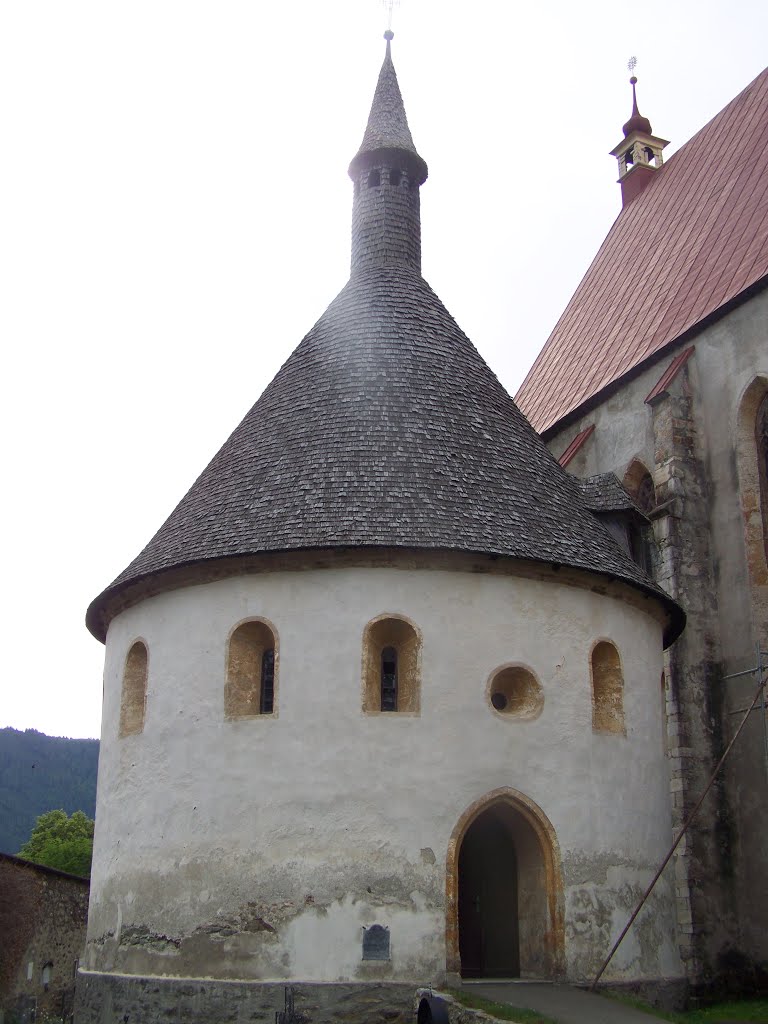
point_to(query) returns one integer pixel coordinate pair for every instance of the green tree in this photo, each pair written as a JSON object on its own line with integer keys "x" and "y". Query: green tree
{"x": 61, "y": 842}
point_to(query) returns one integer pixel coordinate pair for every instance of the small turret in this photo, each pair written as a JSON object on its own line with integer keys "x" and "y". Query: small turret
{"x": 639, "y": 153}
{"x": 387, "y": 172}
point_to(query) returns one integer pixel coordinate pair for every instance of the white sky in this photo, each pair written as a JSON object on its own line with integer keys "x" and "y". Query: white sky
{"x": 175, "y": 214}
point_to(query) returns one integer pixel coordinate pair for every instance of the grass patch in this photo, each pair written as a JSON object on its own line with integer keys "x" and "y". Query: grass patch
{"x": 755, "y": 1010}
{"x": 501, "y": 1010}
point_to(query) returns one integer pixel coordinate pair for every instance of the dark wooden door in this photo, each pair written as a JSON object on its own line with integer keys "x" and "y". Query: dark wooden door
{"x": 488, "y": 924}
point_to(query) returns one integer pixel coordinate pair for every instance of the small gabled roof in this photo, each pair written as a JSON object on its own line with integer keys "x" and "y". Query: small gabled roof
{"x": 692, "y": 242}
{"x": 604, "y": 492}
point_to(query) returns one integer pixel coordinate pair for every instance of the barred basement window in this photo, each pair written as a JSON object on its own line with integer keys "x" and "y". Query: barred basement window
{"x": 391, "y": 666}
{"x": 607, "y": 689}
{"x": 133, "y": 698}
{"x": 251, "y": 670}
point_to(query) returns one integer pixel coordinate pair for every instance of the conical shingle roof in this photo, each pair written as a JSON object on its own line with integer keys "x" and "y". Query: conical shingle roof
{"x": 384, "y": 429}
{"x": 387, "y": 128}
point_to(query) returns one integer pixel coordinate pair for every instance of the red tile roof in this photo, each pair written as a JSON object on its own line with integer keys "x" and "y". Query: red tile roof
{"x": 690, "y": 243}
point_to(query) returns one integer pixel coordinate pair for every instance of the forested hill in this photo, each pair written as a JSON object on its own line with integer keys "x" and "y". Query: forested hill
{"x": 40, "y": 773}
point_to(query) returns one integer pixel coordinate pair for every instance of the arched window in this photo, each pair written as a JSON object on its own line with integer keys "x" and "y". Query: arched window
{"x": 391, "y": 666}
{"x": 389, "y": 679}
{"x": 639, "y": 483}
{"x": 251, "y": 671}
{"x": 133, "y": 699}
{"x": 46, "y": 974}
{"x": 761, "y": 443}
{"x": 607, "y": 689}
{"x": 374, "y": 179}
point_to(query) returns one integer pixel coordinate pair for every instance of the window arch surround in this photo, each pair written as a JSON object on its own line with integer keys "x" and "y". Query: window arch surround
{"x": 250, "y": 690}
{"x": 639, "y": 483}
{"x": 752, "y": 463}
{"x": 514, "y": 692}
{"x": 133, "y": 694}
{"x": 530, "y": 817}
{"x": 607, "y": 678}
{"x": 387, "y": 635}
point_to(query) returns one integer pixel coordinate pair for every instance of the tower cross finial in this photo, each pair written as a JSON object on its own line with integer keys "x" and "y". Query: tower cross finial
{"x": 389, "y": 6}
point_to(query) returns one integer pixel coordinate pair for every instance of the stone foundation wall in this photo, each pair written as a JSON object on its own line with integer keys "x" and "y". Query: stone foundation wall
{"x": 113, "y": 998}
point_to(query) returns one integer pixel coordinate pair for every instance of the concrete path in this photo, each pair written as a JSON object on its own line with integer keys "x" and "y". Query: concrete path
{"x": 563, "y": 1003}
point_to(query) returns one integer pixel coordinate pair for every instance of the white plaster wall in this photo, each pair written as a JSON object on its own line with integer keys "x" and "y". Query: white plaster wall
{"x": 321, "y": 820}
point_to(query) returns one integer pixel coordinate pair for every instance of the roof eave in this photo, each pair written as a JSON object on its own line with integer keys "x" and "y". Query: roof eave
{"x": 589, "y": 404}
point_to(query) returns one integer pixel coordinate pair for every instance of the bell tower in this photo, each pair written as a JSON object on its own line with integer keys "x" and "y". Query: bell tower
{"x": 639, "y": 153}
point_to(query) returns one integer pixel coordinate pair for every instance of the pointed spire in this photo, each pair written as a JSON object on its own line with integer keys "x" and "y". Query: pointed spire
{"x": 636, "y": 123}
{"x": 387, "y": 127}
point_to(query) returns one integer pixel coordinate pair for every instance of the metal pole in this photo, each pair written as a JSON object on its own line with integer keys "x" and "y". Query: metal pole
{"x": 762, "y": 706}
{"x": 758, "y": 693}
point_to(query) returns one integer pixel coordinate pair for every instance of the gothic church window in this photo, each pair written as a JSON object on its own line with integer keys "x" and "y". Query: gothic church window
{"x": 251, "y": 671}
{"x": 391, "y": 666}
{"x": 607, "y": 689}
{"x": 133, "y": 698}
{"x": 639, "y": 483}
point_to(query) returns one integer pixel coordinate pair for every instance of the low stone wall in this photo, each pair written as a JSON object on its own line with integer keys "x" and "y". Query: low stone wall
{"x": 120, "y": 999}
{"x": 43, "y": 915}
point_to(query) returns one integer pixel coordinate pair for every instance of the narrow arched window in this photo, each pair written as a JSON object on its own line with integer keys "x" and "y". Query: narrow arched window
{"x": 133, "y": 697}
{"x": 251, "y": 671}
{"x": 639, "y": 483}
{"x": 391, "y": 666}
{"x": 607, "y": 688}
{"x": 267, "y": 681}
{"x": 389, "y": 679}
{"x": 374, "y": 179}
{"x": 761, "y": 443}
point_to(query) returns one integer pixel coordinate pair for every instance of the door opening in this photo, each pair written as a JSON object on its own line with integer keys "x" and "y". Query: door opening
{"x": 508, "y": 893}
{"x": 488, "y": 900}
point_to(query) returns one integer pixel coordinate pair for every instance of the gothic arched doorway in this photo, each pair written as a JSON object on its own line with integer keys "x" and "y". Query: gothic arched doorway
{"x": 504, "y": 893}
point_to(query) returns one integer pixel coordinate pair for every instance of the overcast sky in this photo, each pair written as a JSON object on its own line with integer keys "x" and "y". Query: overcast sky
{"x": 175, "y": 214}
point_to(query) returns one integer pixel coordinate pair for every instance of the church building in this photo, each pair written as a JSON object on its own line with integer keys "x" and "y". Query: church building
{"x": 656, "y": 375}
{"x": 383, "y": 698}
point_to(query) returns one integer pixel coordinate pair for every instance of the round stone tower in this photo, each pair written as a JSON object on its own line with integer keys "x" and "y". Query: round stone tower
{"x": 382, "y": 696}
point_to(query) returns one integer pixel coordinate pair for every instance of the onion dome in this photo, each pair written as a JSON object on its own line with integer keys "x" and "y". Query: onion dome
{"x": 636, "y": 123}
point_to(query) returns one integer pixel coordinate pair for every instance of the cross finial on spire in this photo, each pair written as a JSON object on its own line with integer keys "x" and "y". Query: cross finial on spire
{"x": 389, "y": 6}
